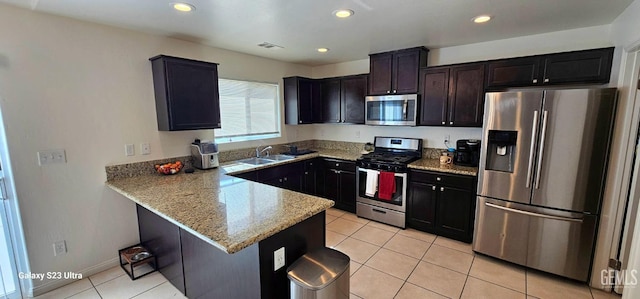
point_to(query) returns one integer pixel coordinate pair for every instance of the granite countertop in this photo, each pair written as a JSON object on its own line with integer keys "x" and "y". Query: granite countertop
{"x": 434, "y": 165}
{"x": 228, "y": 212}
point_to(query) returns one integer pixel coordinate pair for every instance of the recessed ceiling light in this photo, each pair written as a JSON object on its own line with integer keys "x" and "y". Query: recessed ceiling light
{"x": 482, "y": 19}
{"x": 343, "y": 13}
{"x": 323, "y": 50}
{"x": 184, "y": 7}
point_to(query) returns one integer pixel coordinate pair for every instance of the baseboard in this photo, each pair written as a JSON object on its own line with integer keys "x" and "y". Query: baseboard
{"x": 54, "y": 284}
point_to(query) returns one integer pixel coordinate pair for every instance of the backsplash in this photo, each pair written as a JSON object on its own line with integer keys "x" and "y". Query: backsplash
{"x": 141, "y": 168}
{"x": 147, "y": 167}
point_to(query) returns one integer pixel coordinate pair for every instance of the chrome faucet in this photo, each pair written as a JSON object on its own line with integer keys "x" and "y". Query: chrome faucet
{"x": 259, "y": 152}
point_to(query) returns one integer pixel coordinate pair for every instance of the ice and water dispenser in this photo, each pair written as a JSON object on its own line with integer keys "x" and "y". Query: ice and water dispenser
{"x": 501, "y": 150}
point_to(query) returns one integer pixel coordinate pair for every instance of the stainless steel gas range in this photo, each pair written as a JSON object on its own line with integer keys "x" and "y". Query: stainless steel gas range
{"x": 381, "y": 179}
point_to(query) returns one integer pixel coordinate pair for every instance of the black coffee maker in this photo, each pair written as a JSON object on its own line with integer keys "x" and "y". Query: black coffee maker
{"x": 467, "y": 152}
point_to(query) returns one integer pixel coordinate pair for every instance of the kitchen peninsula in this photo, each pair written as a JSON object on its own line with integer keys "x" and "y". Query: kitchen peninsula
{"x": 215, "y": 235}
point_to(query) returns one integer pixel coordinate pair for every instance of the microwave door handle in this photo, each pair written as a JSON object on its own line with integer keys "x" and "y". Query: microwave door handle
{"x": 404, "y": 109}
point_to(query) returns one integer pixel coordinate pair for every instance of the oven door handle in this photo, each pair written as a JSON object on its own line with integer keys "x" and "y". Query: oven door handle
{"x": 399, "y": 174}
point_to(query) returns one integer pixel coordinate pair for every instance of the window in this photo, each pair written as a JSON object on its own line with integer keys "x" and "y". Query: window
{"x": 248, "y": 111}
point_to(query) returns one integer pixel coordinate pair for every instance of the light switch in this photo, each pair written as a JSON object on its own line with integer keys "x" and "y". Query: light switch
{"x": 129, "y": 150}
{"x": 51, "y": 157}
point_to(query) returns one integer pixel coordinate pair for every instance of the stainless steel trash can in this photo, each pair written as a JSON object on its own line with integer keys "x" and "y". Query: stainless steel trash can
{"x": 320, "y": 274}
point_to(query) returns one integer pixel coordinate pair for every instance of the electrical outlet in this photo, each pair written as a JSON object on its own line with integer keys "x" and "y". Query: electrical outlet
{"x": 129, "y": 149}
{"x": 278, "y": 259}
{"x": 145, "y": 148}
{"x": 59, "y": 248}
{"x": 447, "y": 138}
{"x": 51, "y": 157}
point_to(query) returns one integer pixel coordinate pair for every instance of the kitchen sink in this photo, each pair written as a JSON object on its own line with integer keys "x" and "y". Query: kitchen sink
{"x": 279, "y": 157}
{"x": 256, "y": 161}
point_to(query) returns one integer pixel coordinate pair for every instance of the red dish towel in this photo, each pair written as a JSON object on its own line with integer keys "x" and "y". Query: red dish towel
{"x": 386, "y": 185}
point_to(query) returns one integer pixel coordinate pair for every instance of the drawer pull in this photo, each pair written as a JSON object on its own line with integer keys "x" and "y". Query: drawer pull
{"x": 379, "y": 211}
{"x": 441, "y": 188}
{"x": 438, "y": 179}
{"x": 433, "y": 188}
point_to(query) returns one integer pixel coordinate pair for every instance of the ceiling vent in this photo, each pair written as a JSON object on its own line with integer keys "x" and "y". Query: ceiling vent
{"x": 267, "y": 45}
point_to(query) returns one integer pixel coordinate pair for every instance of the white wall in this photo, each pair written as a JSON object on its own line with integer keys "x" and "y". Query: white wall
{"x": 87, "y": 88}
{"x": 624, "y": 30}
{"x": 569, "y": 40}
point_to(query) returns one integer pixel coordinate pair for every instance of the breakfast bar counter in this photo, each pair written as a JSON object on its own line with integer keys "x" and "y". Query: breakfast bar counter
{"x": 229, "y": 213}
{"x": 215, "y": 235}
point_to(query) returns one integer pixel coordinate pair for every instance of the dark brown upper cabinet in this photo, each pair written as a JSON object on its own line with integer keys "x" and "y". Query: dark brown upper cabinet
{"x": 330, "y": 91}
{"x": 577, "y": 67}
{"x": 186, "y": 93}
{"x": 343, "y": 99}
{"x": 302, "y": 103}
{"x": 396, "y": 72}
{"x": 452, "y": 95}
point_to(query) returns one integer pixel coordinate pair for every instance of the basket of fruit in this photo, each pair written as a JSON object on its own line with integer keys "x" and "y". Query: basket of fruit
{"x": 169, "y": 168}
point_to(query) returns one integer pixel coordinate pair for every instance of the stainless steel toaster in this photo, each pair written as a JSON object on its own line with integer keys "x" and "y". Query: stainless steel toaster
{"x": 204, "y": 155}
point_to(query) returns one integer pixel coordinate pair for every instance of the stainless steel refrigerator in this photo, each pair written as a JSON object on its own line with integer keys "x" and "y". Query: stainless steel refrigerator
{"x": 542, "y": 175}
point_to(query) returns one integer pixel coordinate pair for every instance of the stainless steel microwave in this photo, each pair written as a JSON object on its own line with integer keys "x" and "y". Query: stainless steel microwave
{"x": 392, "y": 110}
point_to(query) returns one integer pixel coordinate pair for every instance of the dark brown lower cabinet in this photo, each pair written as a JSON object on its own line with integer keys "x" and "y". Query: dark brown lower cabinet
{"x": 339, "y": 183}
{"x": 442, "y": 204}
{"x": 163, "y": 239}
{"x": 212, "y": 273}
{"x": 312, "y": 177}
{"x": 329, "y": 178}
{"x": 208, "y": 272}
{"x": 422, "y": 210}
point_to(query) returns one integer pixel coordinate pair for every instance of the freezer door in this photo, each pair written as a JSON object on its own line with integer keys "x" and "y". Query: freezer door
{"x": 562, "y": 244}
{"x": 511, "y": 123}
{"x": 573, "y": 149}
{"x": 500, "y": 232}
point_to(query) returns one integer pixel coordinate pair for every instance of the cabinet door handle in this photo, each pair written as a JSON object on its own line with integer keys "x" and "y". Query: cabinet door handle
{"x": 441, "y": 188}
{"x": 535, "y": 81}
{"x": 337, "y": 164}
{"x": 299, "y": 121}
{"x": 337, "y": 121}
{"x": 395, "y": 91}
{"x": 306, "y": 172}
{"x": 546, "y": 80}
{"x": 285, "y": 179}
{"x": 280, "y": 180}
{"x": 433, "y": 188}
{"x": 438, "y": 179}
{"x": 451, "y": 123}
{"x": 444, "y": 123}
{"x": 388, "y": 91}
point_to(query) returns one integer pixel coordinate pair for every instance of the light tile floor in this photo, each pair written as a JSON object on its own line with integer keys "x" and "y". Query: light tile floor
{"x": 386, "y": 263}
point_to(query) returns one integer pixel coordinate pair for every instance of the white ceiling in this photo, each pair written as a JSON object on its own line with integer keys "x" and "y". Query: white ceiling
{"x": 301, "y": 26}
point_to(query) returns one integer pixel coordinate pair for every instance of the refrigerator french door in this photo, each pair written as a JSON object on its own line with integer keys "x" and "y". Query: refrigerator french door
{"x": 541, "y": 177}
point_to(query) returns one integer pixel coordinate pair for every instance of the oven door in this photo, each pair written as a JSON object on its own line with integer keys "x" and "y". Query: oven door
{"x": 398, "y": 199}
{"x": 395, "y": 110}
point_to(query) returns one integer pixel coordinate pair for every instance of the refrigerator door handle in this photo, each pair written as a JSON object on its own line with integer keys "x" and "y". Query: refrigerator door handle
{"x": 543, "y": 134}
{"x": 532, "y": 149}
{"x": 579, "y": 220}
